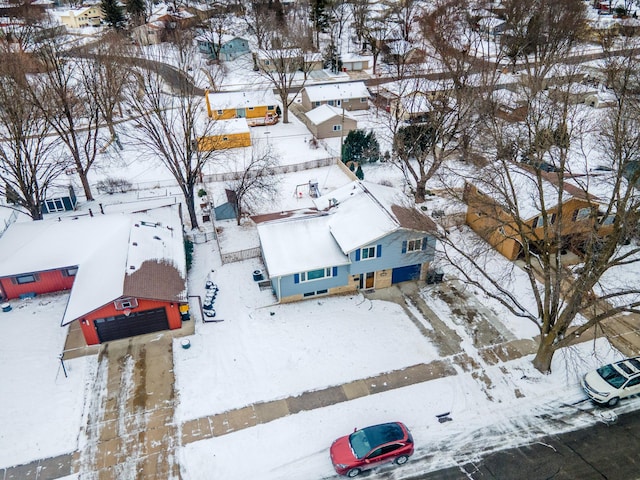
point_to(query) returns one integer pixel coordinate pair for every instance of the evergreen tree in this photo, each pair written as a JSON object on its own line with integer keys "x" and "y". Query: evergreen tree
{"x": 113, "y": 13}
{"x": 359, "y": 173}
{"x": 360, "y": 147}
{"x": 137, "y": 10}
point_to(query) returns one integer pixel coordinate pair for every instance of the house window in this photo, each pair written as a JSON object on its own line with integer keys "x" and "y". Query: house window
{"x": 537, "y": 222}
{"x": 609, "y": 220}
{"x": 338, "y": 103}
{"x": 582, "y": 213}
{"x": 30, "y": 278}
{"x": 225, "y": 138}
{"x": 318, "y": 274}
{"x": 250, "y": 108}
{"x": 414, "y": 245}
{"x": 124, "y": 303}
{"x": 337, "y": 128}
{"x": 368, "y": 252}
{"x": 363, "y": 100}
{"x": 267, "y": 62}
{"x": 316, "y": 104}
{"x": 219, "y": 112}
{"x": 331, "y": 103}
{"x": 69, "y": 272}
{"x": 271, "y": 107}
{"x": 55, "y": 205}
{"x": 317, "y": 292}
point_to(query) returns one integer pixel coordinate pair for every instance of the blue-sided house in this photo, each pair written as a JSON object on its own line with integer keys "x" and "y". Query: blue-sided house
{"x": 360, "y": 236}
{"x": 59, "y": 199}
{"x": 222, "y": 47}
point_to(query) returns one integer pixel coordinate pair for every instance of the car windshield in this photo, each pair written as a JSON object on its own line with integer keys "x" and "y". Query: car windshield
{"x": 611, "y": 376}
{"x": 363, "y": 441}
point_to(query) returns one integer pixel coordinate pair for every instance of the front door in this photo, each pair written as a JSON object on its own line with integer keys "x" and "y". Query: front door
{"x": 241, "y": 112}
{"x": 367, "y": 279}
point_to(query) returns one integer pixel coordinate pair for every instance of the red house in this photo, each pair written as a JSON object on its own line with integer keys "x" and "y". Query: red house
{"x": 126, "y": 272}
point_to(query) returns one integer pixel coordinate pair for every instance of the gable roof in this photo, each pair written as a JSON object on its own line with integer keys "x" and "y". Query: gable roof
{"x": 214, "y": 37}
{"x": 348, "y": 218}
{"x": 336, "y": 91}
{"x": 137, "y": 254}
{"x": 326, "y": 112}
{"x": 246, "y": 99}
{"x": 524, "y": 182}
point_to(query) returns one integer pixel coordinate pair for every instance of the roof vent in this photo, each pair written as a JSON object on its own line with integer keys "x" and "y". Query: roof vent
{"x": 155, "y": 237}
{"x": 135, "y": 244}
{"x": 132, "y": 267}
{"x": 136, "y": 224}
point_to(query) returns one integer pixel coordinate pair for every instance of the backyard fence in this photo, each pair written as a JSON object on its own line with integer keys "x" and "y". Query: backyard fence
{"x": 240, "y": 255}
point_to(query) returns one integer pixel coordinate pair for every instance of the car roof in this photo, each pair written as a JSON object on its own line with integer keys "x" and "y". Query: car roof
{"x": 384, "y": 433}
{"x": 628, "y": 367}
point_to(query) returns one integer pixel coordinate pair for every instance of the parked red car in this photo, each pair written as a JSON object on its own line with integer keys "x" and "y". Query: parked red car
{"x": 367, "y": 448}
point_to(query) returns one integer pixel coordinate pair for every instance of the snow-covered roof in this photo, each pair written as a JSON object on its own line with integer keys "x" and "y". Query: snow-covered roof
{"x": 233, "y": 125}
{"x": 314, "y": 246}
{"x": 333, "y": 91}
{"x": 214, "y": 37}
{"x": 325, "y": 112}
{"x": 245, "y": 99}
{"x": 352, "y": 216}
{"x": 417, "y": 85}
{"x": 279, "y": 53}
{"x": 137, "y": 254}
{"x": 525, "y": 185}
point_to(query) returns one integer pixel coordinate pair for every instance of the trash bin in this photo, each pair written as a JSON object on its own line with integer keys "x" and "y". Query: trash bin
{"x": 6, "y": 307}
{"x": 186, "y": 343}
{"x": 434, "y": 276}
{"x": 257, "y": 275}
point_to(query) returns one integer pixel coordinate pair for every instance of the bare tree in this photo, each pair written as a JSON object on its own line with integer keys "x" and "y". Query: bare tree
{"x": 28, "y": 165}
{"x": 450, "y": 103}
{"x": 104, "y": 77}
{"x": 169, "y": 122}
{"x": 254, "y": 181}
{"x": 557, "y": 202}
{"x": 260, "y": 21}
{"x": 70, "y": 111}
{"x": 287, "y": 62}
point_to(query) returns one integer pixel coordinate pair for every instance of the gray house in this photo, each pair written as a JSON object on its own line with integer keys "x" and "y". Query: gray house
{"x": 347, "y": 95}
{"x": 360, "y": 236}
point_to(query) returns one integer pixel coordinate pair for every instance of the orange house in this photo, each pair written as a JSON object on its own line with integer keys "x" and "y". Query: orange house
{"x": 497, "y": 225}
{"x": 255, "y": 105}
{"x": 126, "y": 273}
{"x": 233, "y": 133}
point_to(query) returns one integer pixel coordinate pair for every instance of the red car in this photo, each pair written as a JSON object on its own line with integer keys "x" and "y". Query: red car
{"x": 367, "y": 448}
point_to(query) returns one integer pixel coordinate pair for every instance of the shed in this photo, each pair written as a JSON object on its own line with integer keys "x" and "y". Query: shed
{"x": 59, "y": 199}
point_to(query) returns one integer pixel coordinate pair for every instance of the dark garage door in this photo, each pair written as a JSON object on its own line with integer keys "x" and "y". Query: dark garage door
{"x": 122, "y": 326}
{"x": 404, "y": 274}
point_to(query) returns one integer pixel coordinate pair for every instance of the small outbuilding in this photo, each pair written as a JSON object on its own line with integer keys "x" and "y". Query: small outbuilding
{"x": 59, "y": 199}
{"x": 326, "y": 122}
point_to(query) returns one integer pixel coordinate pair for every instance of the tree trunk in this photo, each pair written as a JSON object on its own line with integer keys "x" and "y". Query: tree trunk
{"x": 191, "y": 208}
{"x": 85, "y": 185}
{"x": 544, "y": 355}
{"x": 420, "y": 192}
{"x": 285, "y": 112}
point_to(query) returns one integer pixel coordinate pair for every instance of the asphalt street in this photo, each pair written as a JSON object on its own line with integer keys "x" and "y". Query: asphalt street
{"x": 603, "y": 451}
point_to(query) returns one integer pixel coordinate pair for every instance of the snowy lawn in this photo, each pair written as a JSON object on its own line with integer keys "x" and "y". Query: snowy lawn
{"x": 297, "y": 446}
{"x": 41, "y": 411}
{"x": 263, "y": 351}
